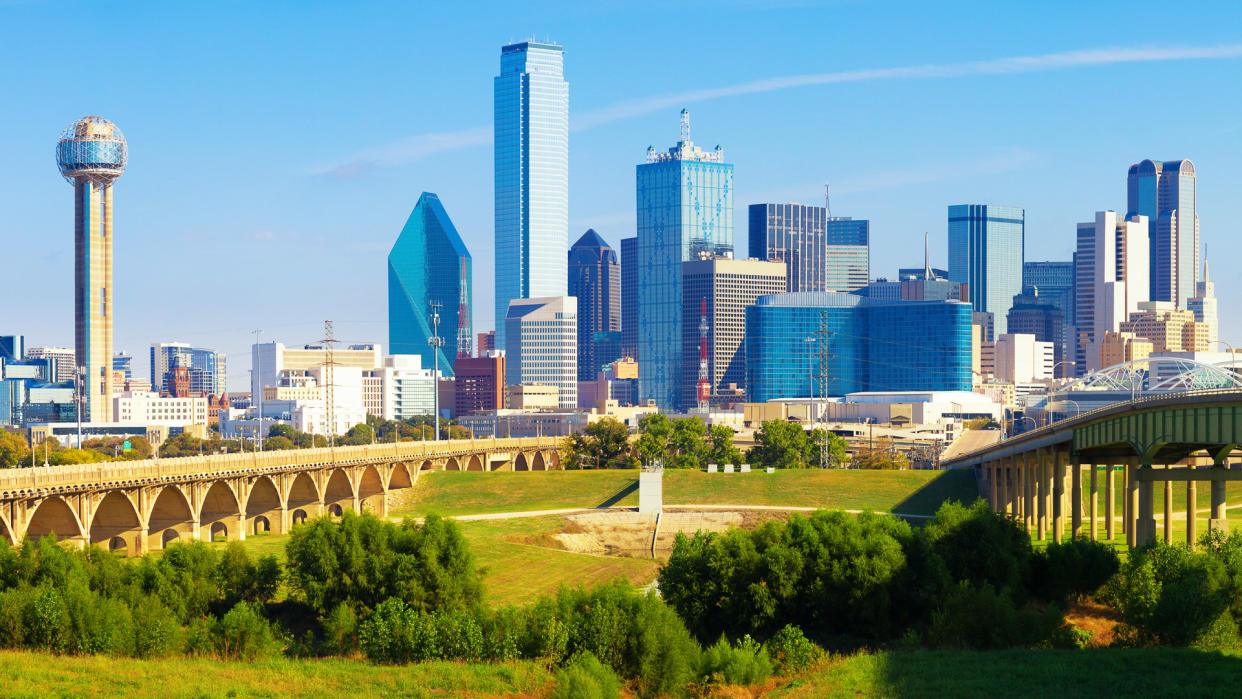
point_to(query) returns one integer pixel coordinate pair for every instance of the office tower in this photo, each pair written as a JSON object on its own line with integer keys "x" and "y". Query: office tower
{"x": 12, "y": 347}
{"x": 1055, "y": 283}
{"x": 543, "y": 345}
{"x": 1118, "y": 348}
{"x": 1165, "y": 194}
{"x": 1019, "y": 358}
{"x": 404, "y": 389}
{"x": 1111, "y": 280}
{"x": 1031, "y": 315}
{"x": 63, "y": 361}
{"x": 430, "y": 263}
{"x": 629, "y": 297}
{"x": 685, "y": 212}
{"x": 486, "y": 343}
{"x": 123, "y": 364}
{"x": 205, "y": 370}
{"x": 479, "y": 386}
{"x": 792, "y": 234}
{"x": 1203, "y": 305}
{"x": 870, "y": 345}
{"x": 270, "y": 359}
{"x": 595, "y": 280}
{"x": 722, "y": 288}
{"x": 848, "y": 253}
{"x": 1168, "y": 328}
{"x": 91, "y": 154}
{"x": 531, "y": 133}
{"x": 985, "y": 251}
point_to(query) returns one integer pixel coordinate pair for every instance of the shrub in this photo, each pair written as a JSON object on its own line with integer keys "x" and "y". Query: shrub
{"x": 1076, "y": 567}
{"x": 340, "y": 630}
{"x": 982, "y": 618}
{"x": 791, "y": 651}
{"x": 1168, "y": 595}
{"x": 243, "y": 634}
{"x": 585, "y": 677}
{"x": 746, "y": 663}
{"x": 980, "y": 546}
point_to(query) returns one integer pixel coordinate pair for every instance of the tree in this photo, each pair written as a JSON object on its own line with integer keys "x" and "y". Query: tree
{"x": 74, "y": 456}
{"x": 688, "y": 443}
{"x": 279, "y": 443}
{"x": 880, "y": 454}
{"x": 357, "y": 435}
{"x": 654, "y": 432}
{"x": 836, "y": 448}
{"x": 603, "y": 444}
{"x": 780, "y": 444}
{"x": 722, "y": 450}
{"x": 14, "y": 450}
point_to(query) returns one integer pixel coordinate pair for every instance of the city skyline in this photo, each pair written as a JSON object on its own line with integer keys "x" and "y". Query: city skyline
{"x": 251, "y": 231}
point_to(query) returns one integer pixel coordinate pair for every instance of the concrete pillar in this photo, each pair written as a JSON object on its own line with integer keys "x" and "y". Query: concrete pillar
{"x": 1041, "y": 504}
{"x": 1075, "y": 497}
{"x": 1145, "y": 525}
{"x": 1057, "y": 462}
{"x": 990, "y": 469}
{"x": 1191, "y": 512}
{"x": 1095, "y": 486}
{"x": 1168, "y": 508}
{"x": 142, "y": 546}
{"x": 1028, "y": 496}
{"x": 1109, "y": 498}
{"x": 285, "y": 523}
{"x": 1217, "y": 518}
{"x": 241, "y": 528}
{"x": 1131, "y": 497}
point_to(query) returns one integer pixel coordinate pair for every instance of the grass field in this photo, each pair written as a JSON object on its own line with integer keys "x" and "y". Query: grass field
{"x": 470, "y": 492}
{"x": 1164, "y": 672}
{"x": 29, "y": 674}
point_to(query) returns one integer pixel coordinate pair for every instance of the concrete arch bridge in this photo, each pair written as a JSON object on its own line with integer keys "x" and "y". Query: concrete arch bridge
{"x": 1186, "y": 437}
{"x": 137, "y": 506}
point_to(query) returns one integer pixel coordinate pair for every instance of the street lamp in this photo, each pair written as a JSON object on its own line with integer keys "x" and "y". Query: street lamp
{"x": 1233, "y": 357}
{"x": 1054, "y": 367}
{"x": 258, "y": 374}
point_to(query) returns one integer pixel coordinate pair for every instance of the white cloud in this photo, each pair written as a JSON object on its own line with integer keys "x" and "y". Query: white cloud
{"x": 414, "y": 147}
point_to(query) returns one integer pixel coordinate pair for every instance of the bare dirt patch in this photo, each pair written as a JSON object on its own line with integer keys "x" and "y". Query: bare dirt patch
{"x": 1097, "y": 618}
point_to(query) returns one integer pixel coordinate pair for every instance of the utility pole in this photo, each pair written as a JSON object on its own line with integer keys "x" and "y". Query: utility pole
{"x": 329, "y": 341}
{"x": 823, "y": 334}
{"x": 436, "y": 342}
{"x": 259, "y": 375}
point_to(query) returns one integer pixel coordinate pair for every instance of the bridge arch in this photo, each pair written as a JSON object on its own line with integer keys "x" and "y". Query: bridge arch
{"x": 400, "y": 477}
{"x": 554, "y": 460}
{"x": 219, "y": 506}
{"x": 521, "y": 463}
{"x": 371, "y": 492}
{"x": 427, "y": 466}
{"x": 55, "y": 516}
{"x": 475, "y": 463}
{"x": 263, "y": 503}
{"x": 452, "y": 464}
{"x": 116, "y": 518}
{"x": 6, "y": 531}
{"x": 338, "y": 492}
{"x": 170, "y": 517}
{"x": 303, "y": 499}
{"x": 538, "y": 463}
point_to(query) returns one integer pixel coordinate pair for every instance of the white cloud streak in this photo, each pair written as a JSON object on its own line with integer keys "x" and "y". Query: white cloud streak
{"x": 415, "y": 147}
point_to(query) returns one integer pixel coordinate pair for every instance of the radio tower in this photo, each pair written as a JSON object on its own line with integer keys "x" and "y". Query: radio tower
{"x": 463, "y": 314}
{"x": 705, "y": 383}
{"x": 436, "y": 342}
{"x": 329, "y": 340}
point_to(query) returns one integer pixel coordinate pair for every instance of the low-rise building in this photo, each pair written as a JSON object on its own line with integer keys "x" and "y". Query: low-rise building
{"x": 532, "y": 396}
{"x": 152, "y": 408}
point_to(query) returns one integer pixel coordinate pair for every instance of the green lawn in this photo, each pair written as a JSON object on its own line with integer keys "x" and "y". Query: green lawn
{"x": 471, "y": 492}
{"x": 1164, "y": 672}
{"x": 29, "y": 674}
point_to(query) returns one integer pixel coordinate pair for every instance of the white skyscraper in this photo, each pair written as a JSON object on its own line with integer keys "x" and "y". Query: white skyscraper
{"x": 532, "y": 175}
{"x": 1112, "y": 279}
{"x": 1203, "y": 304}
{"x": 542, "y": 336}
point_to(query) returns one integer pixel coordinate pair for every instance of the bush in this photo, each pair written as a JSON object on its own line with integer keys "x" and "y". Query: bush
{"x": 982, "y": 618}
{"x": 1079, "y": 566}
{"x": 1168, "y": 595}
{"x": 340, "y": 630}
{"x": 979, "y": 546}
{"x": 243, "y": 634}
{"x": 585, "y": 677}
{"x": 746, "y": 663}
{"x": 791, "y": 651}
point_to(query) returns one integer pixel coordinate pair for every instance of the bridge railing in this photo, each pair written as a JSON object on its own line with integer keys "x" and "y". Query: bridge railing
{"x": 38, "y": 477}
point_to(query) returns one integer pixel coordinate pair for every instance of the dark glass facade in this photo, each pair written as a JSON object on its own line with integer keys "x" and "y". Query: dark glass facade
{"x": 986, "y": 252}
{"x": 629, "y": 297}
{"x": 871, "y": 345}
{"x": 1164, "y": 192}
{"x": 429, "y": 262}
{"x": 595, "y": 279}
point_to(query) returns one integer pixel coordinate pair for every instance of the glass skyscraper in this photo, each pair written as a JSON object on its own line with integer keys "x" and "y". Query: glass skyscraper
{"x": 685, "y": 211}
{"x": 820, "y": 252}
{"x": 206, "y": 369}
{"x": 429, "y": 262}
{"x": 595, "y": 280}
{"x": 629, "y": 297}
{"x": 871, "y": 345}
{"x": 531, "y": 101}
{"x": 1165, "y": 194}
{"x": 986, "y": 251}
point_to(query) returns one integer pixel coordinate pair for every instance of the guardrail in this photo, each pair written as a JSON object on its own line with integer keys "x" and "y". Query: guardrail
{"x": 40, "y": 477}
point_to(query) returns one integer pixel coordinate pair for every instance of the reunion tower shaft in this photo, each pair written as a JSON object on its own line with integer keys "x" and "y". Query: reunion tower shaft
{"x": 91, "y": 154}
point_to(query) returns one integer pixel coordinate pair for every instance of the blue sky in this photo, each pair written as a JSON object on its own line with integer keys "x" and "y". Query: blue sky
{"x": 276, "y": 148}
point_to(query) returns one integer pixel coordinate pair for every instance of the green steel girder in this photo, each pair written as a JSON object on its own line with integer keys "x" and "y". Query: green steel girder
{"x": 1163, "y": 434}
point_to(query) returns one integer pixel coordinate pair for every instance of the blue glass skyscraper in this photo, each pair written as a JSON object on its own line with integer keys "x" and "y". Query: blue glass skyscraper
{"x": 986, "y": 251}
{"x": 685, "y": 210}
{"x": 1165, "y": 194}
{"x": 429, "y": 262}
{"x": 531, "y": 103}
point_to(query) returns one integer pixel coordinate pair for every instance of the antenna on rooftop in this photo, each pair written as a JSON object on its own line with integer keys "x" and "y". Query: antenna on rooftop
{"x": 927, "y": 273}
{"x": 685, "y": 126}
{"x": 827, "y": 203}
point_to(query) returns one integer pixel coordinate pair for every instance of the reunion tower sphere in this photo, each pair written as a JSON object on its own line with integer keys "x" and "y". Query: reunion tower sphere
{"x": 92, "y": 148}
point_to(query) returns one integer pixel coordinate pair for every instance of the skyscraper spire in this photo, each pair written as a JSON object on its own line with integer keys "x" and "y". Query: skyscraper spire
{"x": 927, "y": 273}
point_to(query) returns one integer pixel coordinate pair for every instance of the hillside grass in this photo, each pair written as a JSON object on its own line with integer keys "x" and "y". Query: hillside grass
{"x": 472, "y": 492}
{"x": 30, "y": 674}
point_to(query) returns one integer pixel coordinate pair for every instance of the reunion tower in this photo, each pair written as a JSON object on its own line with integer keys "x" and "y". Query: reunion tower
{"x": 91, "y": 154}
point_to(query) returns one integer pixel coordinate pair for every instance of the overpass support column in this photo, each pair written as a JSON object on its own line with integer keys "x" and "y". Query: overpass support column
{"x": 1217, "y": 520}
{"x": 141, "y": 543}
{"x": 1130, "y": 496}
{"x": 1075, "y": 497}
{"x": 1056, "y": 460}
{"x": 1145, "y": 526}
{"x": 1091, "y": 515}
{"x": 992, "y": 470}
{"x": 1192, "y": 508}
{"x": 1109, "y": 500}
{"x": 1168, "y": 508}
{"x": 1041, "y": 496}
{"x": 1015, "y": 502}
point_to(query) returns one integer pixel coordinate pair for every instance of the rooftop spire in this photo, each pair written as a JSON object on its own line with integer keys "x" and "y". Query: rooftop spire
{"x": 685, "y": 126}
{"x": 927, "y": 273}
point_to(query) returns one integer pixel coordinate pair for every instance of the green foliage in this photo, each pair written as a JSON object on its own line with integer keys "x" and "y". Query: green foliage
{"x": 981, "y": 618}
{"x": 654, "y": 431}
{"x": 243, "y": 634}
{"x": 782, "y": 444}
{"x": 1168, "y": 595}
{"x": 243, "y": 579}
{"x": 835, "y": 444}
{"x": 362, "y": 560}
{"x": 277, "y": 443}
{"x": 681, "y": 443}
{"x": 602, "y": 444}
{"x": 74, "y": 456}
{"x": 721, "y": 449}
{"x": 1079, "y": 566}
{"x": 340, "y": 630}
{"x": 979, "y": 546}
{"x": 791, "y": 650}
{"x": 14, "y": 449}
{"x": 585, "y": 677}
{"x": 746, "y": 663}
{"x": 880, "y": 453}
